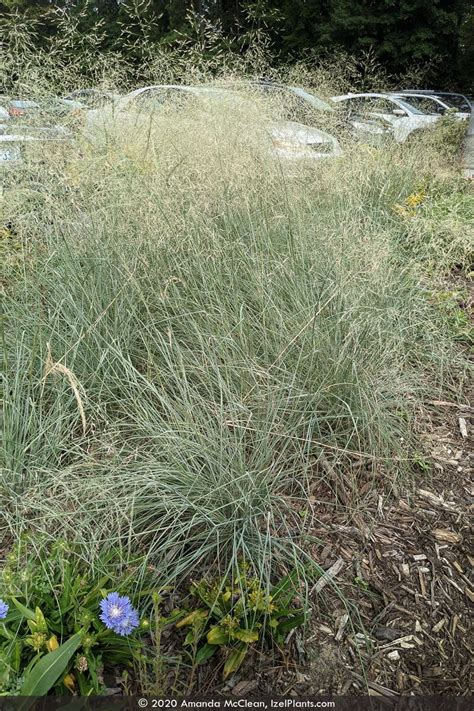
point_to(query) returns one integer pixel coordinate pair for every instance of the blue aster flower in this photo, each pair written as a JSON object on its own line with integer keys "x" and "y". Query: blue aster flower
{"x": 3, "y": 609}
{"x": 118, "y": 614}
{"x": 127, "y": 624}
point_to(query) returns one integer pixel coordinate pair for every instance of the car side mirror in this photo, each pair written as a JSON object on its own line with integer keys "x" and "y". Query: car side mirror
{"x": 398, "y": 112}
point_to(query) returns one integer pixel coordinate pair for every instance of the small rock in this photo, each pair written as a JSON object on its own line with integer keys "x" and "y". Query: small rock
{"x": 394, "y": 656}
{"x": 387, "y": 633}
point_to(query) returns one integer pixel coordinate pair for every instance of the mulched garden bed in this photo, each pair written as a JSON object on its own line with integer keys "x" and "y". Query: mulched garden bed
{"x": 405, "y": 565}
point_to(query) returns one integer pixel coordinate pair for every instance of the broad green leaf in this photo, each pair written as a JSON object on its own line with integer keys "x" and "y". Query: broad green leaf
{"x": 29, "y": 614}
{"x": 44, "y": 675}
{"x": 6, "y": 633}
{"x": 192, "y": 637}
{"x": 286, "y": 589}
{"x": 15, "y": 655}
{"x": 192, "y": 618}
{"x": 285, "y": 612}
{"x": 247, "y": 636}
{"x": 286, "y": 625}
{"x": 205, "y": 653}
{"x": 235, "y": 659}
{"x": 217, "y": 635}
{"x": 174, "y": 616}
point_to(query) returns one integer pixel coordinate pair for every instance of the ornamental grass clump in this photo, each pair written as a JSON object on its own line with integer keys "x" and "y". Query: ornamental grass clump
{"x": 245, "y": 334}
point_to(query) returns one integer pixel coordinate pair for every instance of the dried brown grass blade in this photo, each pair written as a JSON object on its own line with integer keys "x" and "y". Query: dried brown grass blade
{"x": 52, "y": 367}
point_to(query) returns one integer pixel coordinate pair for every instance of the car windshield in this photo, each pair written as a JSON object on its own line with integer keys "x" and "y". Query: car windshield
{"x": 456, "y": 101}
{"x": 163, "y": 98}
{"x": 289, "y": 103}
{"x": 315, "y": 101}
{"x": 425, "y": 104}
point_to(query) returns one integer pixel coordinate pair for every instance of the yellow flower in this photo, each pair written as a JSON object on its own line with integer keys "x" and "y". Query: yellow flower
{"x": 415, "y": 199}
{"x": 52, "y": 643}
{"x": 70, "y": 682}
{"x": 37, "y": 640}
{"x": 229, "y": 622}
{"x": 402, "y": 211}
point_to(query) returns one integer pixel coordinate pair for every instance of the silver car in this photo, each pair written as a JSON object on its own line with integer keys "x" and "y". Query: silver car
{"x": 404, "y": 118}
{"x": 289, "y": 140}
{"x": 431, "y": 105}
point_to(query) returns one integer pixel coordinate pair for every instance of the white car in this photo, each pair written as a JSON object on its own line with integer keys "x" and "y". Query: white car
{"x": 431, "y": 105}
{"x": 404, "y": 118}
{"x": 289, "y": 140}
{"x": 14, "y": 141}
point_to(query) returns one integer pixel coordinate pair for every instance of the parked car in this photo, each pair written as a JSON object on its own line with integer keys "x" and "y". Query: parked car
{"x": 290, "y": 139}
{"x": 49, "y": 109}
{"x": 15, "y": 140}
{"x": 294, "y": 103}
{"x": 404, "y": 118}
{"x": 298, "y": 103}
{"x": 459, "y": 101}
{"x": 92, "y": 98}
{"x": 432, "y": 105}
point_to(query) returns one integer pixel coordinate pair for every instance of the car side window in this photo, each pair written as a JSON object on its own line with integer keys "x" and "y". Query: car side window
{"x": 178, "y": 98}
{"x": 149, "y": 100}
{"x": 426, "y": 105}
{"x": 382, "y": 106}
{"x": 354, "y": 106}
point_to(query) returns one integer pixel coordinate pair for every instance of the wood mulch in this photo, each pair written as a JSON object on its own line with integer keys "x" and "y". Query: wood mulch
{"x": 407, "y": 571}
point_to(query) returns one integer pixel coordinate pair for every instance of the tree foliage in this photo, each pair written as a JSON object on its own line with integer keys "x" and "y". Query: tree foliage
{"x": 434, "y": 34}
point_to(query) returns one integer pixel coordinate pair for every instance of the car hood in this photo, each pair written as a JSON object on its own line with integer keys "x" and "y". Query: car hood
{"x": 299, "y": 133}
{"x": 425, "y": 118}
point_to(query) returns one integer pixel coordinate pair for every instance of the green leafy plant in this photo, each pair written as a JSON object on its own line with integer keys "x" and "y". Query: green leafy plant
{"x": 52, "y": 637}
{"x": 457, "y": 319}
{"x": 361, "y": 583}
{"x": 233, "y": 615}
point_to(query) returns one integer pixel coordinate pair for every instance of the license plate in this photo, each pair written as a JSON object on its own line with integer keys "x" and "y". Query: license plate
{"x": 8, "y": 155}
